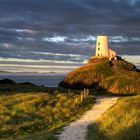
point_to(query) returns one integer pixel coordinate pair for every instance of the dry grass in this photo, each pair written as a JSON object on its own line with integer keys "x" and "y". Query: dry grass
{"x": 26, "y": 113}
{"x": 121, "y": 122}
{"x": 118, "y": 77}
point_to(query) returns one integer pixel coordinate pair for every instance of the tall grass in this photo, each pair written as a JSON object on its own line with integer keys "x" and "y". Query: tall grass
{"x": 121, "y": 122}
{"x": 25, "y": 113}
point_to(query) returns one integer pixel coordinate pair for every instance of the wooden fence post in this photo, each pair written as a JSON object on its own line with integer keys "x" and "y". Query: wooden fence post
{"x": 81, "y": 96}
{"x": 76, "y": 100}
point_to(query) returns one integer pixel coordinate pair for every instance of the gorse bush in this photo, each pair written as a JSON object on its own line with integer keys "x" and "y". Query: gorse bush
{"x": 121, "y": 122}
{"x": 25, "y": 113}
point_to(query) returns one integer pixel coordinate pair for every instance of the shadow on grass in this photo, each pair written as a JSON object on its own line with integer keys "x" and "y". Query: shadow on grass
{"x": 95, "y": 133}
{"x": 97, "y": 90}
{"x": 131, "y": 133}
{"x": 11, "y": 89}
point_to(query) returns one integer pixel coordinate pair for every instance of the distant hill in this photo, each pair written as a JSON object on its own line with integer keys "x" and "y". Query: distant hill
{"x": 116, "y": 76}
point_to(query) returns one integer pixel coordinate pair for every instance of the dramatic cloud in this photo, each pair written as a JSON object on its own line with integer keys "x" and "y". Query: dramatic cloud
{"x": 66, "y": 30}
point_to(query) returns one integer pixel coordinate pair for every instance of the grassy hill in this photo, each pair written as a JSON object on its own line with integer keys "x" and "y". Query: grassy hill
{"x": 121, "y": 122}
{"x": 117, "y": 76}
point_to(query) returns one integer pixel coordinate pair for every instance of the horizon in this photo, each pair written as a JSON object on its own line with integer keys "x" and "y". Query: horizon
{"x": 46, "y": 36}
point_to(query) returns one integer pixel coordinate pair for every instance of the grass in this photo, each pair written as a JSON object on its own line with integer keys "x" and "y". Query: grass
{"x": 116, "y": 77}
{"x": 121, "y": 122}
{"x": 27, "y": 114}
{"x": 35, "y": 113}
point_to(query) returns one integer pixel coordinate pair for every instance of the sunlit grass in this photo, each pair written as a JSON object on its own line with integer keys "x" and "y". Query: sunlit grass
{"x": 117, "y": 77}
{"x": 26, "y": 113}
{"x": 121, "y": 122}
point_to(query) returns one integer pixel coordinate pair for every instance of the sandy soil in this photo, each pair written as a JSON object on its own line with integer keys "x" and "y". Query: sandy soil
{"x": 77, "y": 130}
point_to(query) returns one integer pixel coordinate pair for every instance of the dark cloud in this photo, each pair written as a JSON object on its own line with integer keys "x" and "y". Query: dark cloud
{"x": 24, "y": 24}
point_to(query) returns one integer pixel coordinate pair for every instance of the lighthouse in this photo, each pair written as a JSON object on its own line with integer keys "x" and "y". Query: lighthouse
{"x": 102, "y": 48}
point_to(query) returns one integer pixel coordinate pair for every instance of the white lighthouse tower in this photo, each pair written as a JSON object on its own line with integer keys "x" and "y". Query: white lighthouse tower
{"x": 102, "y": 48}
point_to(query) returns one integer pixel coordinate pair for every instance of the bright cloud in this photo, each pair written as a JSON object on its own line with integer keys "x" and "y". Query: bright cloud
{"x": 60, "y": 54}
{"x": 132, "y": 58}
{"x": 123, "y": 39}
{"x": 25, "y": 31}
{"x": 89, "y": 38}
{"x": 118, "y": 39}
{"x": 36, "y": 60}
{"x": 55, "y": 39}
{"x": 37, "y": 66}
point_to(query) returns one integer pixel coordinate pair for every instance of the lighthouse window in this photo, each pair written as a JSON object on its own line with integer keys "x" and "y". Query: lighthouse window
{"x": 98, "y": 49}
{"x": 98, "y": 43}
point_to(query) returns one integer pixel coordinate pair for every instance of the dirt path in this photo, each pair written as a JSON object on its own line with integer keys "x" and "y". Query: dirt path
{"x": 77, "y": 130}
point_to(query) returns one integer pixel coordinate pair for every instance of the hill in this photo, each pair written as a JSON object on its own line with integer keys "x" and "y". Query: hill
{"x": 116, "y": 76}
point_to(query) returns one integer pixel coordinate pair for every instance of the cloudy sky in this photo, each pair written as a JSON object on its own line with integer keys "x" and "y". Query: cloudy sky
{"x": 59, "y": 35}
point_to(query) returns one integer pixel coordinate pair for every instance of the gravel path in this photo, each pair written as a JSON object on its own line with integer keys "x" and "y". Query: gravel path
{"x": 77, "y": 130}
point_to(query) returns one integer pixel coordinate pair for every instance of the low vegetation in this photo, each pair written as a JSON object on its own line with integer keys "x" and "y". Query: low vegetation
{"x": 8, "y": 86}
{"x": 117, "y": 77}
{"x": 22, "y": 114}
{"x": 34, "y": 112}
{"x": 121, "y": 122}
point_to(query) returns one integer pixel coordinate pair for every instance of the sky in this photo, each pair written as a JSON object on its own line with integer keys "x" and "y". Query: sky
{"x": 60, "y": 35}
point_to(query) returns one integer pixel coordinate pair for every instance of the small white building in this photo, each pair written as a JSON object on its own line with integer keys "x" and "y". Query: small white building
{"x": 102, "y": 48}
